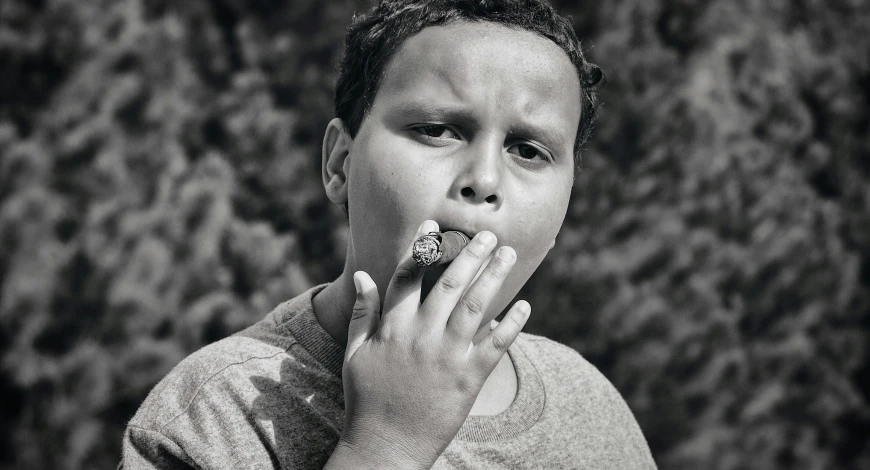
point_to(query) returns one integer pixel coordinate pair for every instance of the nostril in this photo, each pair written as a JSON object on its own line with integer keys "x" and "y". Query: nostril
{"x": 467, "y": 192}
{"x": 491, "y": 199}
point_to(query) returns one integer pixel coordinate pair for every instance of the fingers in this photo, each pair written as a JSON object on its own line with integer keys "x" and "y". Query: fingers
{"x": 452, "y": 284}
{"x": 489, "y": 351}
{"x": 469, "y": 312}
{"x": 366, "y": 313}
{"x": 403, "y": 292}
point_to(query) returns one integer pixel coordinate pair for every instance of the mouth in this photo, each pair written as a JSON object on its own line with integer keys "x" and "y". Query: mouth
{"x": 447, "y": 228}
{"x": 433, "y": 273}
{"x": 467, "y": 231}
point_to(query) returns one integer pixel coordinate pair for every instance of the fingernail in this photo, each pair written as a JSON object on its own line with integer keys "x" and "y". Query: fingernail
{"x": 356, "y": 283}
{"x": 487, "y": 238}
{"x": 525, "y": 308}
{"x": 428, "y": 226}
{"x": 506, "y": 254}
{"x": 493, "y": 324}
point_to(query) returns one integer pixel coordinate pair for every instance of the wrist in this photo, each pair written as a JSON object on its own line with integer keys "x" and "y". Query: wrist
{"x": 354, "y": 455}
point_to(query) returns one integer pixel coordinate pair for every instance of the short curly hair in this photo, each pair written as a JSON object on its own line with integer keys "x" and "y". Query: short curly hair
{"x": 373, "y": 39}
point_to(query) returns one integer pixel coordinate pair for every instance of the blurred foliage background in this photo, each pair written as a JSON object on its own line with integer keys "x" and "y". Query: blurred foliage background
{"x": 159, "y": 190}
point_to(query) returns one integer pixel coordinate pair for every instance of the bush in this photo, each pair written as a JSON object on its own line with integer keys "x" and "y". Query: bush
{"x": 159, "y": 190}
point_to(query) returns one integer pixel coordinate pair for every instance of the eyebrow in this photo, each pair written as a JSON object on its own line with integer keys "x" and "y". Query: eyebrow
{"x": 427, "y": 111}
{"x": 555, "y": 140}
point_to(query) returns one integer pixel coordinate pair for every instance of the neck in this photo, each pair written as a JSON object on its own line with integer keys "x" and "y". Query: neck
{"x": 333, "y": 307}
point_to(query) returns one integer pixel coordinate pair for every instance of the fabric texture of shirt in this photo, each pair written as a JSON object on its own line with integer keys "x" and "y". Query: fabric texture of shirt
{"x": 271, "y": 396}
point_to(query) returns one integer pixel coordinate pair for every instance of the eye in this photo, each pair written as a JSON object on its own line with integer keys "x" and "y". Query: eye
{"x": 436, "y": 131}
{"x": 529, "y": 152}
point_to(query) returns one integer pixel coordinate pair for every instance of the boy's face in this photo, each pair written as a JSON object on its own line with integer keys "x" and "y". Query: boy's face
{"x": 473, "y": 126}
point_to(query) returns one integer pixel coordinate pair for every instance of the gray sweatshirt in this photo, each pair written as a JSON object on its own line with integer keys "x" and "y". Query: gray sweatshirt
{"x": 271, "y": 397}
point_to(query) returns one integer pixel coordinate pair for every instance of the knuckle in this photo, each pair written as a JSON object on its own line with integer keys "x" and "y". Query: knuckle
{"x": 472, "y": 305}
{"x": 385, "y": 334}
{"x": 448, "y": 282}
{"x": 498, "y": 270}
{"x": 476, "y": 250}
{"x": 499, "y": 342}
{"x": 419, "y": 347}
{"x": 404, "y": 275}
{"x": 445, "y": 362}
{"x": 515, "y": 320}
{"x": 466, "y": 383}
{"x": 359, "y": 310}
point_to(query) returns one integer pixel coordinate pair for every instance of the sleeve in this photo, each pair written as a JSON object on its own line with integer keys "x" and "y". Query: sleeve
{"x": 148, "y": 449}
{"x": 636, "y": 443}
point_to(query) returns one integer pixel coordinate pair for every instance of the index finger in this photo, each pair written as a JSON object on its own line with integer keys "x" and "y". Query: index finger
{"x": 452, "y": 285}
{"x": 402, "y": 298}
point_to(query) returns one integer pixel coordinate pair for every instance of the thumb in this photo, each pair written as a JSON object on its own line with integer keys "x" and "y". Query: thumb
{"x": 365, "y": 318}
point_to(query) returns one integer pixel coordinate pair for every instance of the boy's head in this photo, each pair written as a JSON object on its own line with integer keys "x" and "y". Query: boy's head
{"x": 374, "y": 38}
{"x": 466, "y": 113}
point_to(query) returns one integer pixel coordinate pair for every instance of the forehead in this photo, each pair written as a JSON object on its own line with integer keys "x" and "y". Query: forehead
{"x": 459, "y": 46}
{"x": 485, "y": 63}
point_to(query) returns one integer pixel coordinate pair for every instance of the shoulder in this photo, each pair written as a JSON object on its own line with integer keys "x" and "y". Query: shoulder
{"x": 581, "y": 396}
{"x": 223, "y": 376}
{"x": 551, "y": 357}
{"x": 224, "y": 405}
{"x": 564, "y": 369}
{"x": 216, "y": 367}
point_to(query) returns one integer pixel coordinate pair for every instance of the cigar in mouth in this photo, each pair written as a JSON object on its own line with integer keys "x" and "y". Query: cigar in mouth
{"x": 437, "y": 248}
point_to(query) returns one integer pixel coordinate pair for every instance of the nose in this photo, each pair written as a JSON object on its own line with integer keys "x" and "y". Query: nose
{"x": 480, "y": 178}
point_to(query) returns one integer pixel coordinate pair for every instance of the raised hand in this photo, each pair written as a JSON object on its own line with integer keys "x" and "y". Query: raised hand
{"x": 412, "y": 374}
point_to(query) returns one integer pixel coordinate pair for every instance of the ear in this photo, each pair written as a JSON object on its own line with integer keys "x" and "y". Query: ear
{"x": 553, "y": 241}
{"x": 337, "y": 143}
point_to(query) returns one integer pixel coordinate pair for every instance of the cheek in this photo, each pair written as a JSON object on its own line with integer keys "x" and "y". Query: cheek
{"x": 392, "y": 186}
{"x": 542, "y": 216}
{"x": 388, "y": 199}
{"x": 534, "y": 230}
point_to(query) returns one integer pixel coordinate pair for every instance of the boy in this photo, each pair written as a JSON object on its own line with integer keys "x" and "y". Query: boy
{"x": 460, "y": 115}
